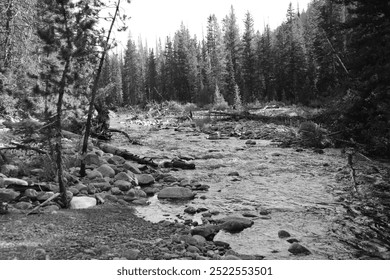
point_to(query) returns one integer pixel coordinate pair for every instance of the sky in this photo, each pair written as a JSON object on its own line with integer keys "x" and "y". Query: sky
{"x": 153, "y": 19}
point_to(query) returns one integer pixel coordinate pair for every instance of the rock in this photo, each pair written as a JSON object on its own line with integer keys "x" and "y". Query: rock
{"x": 81, "y": 187}
{"x": 116, "y": 160}
{"x": 116, "y": 191}
{"x": 283, "y": 234}
{"x": 140, "y": 201}
{"x": 200, "y": 239}
{"x": 132, "y": 254}
{"x": 250, "y": 214}
{"x": 91, "y": 189}
{"x": 91, "y": 158}
{"x": 94, "y": 174}
{"x": 151, "y": 191}
{"x": 102, "y": 186}
{"x": 123, "y": 185}
{"x": 230, "y": 257}
{"x": 42, "y": 196}
{"x": 111, "y": 197}
{"x": 82, "y": 202}
{"x": 23, "y": 205}
{"x": 170, "y": 179}
{"x": 298, "y": 249}
{"x": 131, "y": 167}
{"x": 222, "y": 244}
{"x": 175, "y": 193}
{"x": 292, "y": 240}
{"x": 234, "y": 224}
{"x": 235, "y": 173}
{"x": 201, "y": 187}
{"x": 123, "y": 176}
{"x": 40, "y": 254}
{"x": 188, "y": 239}
{"x": 7, "y": 195}
{"x": 50, "y": 208}
{"x": 74, "y": 190}
{"x": 193, "y": 249}
{"x": 10, "y": 170}
{"x": 13, "y": 181}
{"x": 145, "y": 179}
{"x": 250, "y": 142}
{"x": 31, "y": 193}
{"x": 106, "y": 171}
{"x": 190, "y": 210}
{"x": 185, "y": 182}
{"x": 207, "y": 231}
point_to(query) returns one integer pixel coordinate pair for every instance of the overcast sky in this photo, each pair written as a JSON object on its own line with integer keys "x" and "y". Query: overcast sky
{"x": 154, "y": 19}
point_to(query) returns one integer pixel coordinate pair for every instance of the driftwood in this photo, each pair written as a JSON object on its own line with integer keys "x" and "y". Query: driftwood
{"x": 54, "y": 196}
{"x": 127, "y": 155}
{"x": 248, "y": 116}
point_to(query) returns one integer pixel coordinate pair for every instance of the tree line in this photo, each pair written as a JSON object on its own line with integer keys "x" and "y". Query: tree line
{"x": 334, "y": 53}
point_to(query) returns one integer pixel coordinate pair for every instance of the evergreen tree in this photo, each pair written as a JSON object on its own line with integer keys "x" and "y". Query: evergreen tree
{"x": 248, "y": 61}
{"x": 131, "y": 76}
{"x": 232, "y": 41}
{"x": 216, "y": 51}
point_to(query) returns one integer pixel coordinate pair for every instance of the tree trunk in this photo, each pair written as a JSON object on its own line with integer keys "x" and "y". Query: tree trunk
{"x": 93, "y": 94}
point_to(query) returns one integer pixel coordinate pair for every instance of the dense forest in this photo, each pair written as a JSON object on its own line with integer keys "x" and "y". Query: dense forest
{"x": 333, "y": 54}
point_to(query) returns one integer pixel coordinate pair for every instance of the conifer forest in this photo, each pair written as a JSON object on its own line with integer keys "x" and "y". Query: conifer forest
{"x": 86, "y": 122}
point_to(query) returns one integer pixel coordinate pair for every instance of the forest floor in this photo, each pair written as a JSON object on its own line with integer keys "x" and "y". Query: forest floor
{"x": 252, "y": 170}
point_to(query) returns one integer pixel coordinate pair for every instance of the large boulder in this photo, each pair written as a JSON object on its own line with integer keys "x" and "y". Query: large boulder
{"x": 175, "y": 193}
{"x": 106, "y": 171}
{"x": 82, "y": 202}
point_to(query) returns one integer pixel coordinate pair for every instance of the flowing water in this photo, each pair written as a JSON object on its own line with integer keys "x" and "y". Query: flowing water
{"x": 297, "y": 188}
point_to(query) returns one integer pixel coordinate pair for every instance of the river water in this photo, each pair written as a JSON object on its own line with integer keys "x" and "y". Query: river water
{"x": 296, "y": 188}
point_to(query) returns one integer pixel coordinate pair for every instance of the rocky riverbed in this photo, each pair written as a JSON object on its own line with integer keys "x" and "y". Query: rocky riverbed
{"x": 203, "y": 190}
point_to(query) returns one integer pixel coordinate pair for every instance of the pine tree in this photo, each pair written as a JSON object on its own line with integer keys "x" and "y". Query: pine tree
{"x": 216, "y": 51}
{"x": 248, "y": 61}
{"x": 131, "y": 77}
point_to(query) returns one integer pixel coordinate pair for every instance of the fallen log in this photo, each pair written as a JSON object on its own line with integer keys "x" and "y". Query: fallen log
{"x": 132, "y": 141}
{"x": 127, "y": 155}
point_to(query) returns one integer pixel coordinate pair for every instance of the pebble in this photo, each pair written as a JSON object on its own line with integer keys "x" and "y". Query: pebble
{"x": 132, "y": 254}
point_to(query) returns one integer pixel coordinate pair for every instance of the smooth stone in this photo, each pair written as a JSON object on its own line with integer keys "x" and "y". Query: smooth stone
{"x": 123, "y": 185}
{"x": 116, "y": 160}
{"x": 283, "y": 234}
{"x": 207, "y": 231}
{"x": 42, "y": 196}
{"x": 175, "y": 193}
{"x": 74, "y": 190}
{"x": 31, "y": 193}
{"x": 106, "y": 171}
{"x": 298, "y": 249}
{"x": 234, "y": 224}
{"x": 116, "y": 191}
{"x": 50, "y": 208}
{"x": 13, "y": 181}
{"x": 190, "y": 210}
{"x": 230, "y": 257}
{"x": 131, "y": 167}
{"x": 91, "y": 158}
{"x": 22, "y": 205}
{"x": 235, "y": 173}
{"x": 7, "y": 195}
{"x": 145, "y": 179}
{"x": 200, "y": 239}
{"x": 123, "y": 176}
{"x": 94, "y": 174}
{"x": 132, "y": 254}
{"x": 82, "y": 202}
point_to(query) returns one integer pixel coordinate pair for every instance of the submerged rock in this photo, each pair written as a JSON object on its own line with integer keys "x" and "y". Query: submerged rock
{"x": 298, "y": 249}
{"x": 283, "y": 234}
{"x": 207, "y": 231}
